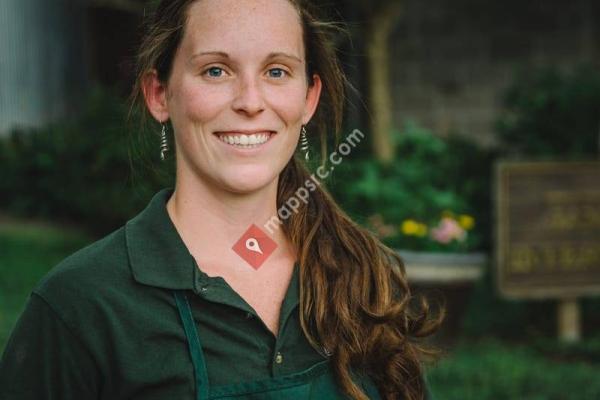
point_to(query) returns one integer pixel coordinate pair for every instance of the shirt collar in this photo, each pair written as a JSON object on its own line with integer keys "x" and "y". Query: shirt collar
{"x": 159, "y": 257}
{"x": 157, "y": 254}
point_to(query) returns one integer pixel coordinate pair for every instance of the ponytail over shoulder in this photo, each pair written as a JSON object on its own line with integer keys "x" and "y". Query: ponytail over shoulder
{"x": 355, "y": 301}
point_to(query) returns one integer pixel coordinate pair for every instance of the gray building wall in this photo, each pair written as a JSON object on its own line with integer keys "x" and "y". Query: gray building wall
{"x": 42, "y": 67}
{"x": 452, "y": 60}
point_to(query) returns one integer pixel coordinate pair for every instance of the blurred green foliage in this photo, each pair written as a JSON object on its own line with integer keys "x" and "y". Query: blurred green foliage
{"x": 431, "y": 175}
{"x": 552, "y": 114}
{"x": 80, "y": 169}
{"x": 491, "y": 370}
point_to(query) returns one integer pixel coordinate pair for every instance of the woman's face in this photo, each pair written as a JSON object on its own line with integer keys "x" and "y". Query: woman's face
{"x": 239, "y": 75}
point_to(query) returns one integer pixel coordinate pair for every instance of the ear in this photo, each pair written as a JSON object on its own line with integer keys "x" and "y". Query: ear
{"x": 155, "y": 95}
{"x": 312, "y": 98}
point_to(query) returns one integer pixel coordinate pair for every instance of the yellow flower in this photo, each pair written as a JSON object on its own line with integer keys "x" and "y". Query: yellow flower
{"x": 409, "y": 227}
{"x": 421, "y": 230}
{"x": 466, "y": 221}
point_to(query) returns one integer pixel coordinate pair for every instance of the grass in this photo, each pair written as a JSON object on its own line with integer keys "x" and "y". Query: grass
{"x": 27, "y": 252}
{"x": 495, "y": 370}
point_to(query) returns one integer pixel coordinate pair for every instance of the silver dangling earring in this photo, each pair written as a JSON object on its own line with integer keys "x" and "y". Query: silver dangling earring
{"x": 304, "y": 142}
{"x": 164, "y": 144}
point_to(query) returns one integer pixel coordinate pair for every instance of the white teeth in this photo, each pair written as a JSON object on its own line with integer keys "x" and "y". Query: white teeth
{"x": 245, "y": 140}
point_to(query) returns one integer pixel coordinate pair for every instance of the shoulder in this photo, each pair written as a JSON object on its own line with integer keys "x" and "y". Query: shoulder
{"x": 85, "y": 275}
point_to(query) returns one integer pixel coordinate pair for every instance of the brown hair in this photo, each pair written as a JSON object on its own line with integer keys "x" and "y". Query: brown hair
{"x": 355, "y": 300}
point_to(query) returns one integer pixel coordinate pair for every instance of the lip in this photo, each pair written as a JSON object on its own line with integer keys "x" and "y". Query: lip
{"x": 250, "y": 151}
{"x": 245, "y": 131}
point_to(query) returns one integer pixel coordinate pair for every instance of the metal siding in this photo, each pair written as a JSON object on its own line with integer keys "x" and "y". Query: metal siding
{"x": 41, "y": 60}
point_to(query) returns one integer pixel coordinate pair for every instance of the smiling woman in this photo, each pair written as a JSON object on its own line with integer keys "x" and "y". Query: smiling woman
{"x": 190, "y": 299}
{"x": 238, "y": 71}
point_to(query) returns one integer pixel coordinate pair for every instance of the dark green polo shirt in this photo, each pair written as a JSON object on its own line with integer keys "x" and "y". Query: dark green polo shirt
{"x": 104, "y": 324}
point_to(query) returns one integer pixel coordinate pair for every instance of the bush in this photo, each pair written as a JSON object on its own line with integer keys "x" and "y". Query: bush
{"x": 78, "y": 169}
{"x": 552, "y": 114}
{"x": 432, "y": 177}
{"x": 492, "y": 370}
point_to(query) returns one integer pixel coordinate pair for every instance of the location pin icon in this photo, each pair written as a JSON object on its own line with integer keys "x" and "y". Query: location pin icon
{"x": 252, "y": 245}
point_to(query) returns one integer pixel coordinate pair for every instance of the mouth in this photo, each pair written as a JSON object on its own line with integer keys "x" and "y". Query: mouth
{"x": 245, "y": 139}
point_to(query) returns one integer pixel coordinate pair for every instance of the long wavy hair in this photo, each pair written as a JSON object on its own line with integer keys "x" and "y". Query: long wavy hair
{"x": 355, "y": 302}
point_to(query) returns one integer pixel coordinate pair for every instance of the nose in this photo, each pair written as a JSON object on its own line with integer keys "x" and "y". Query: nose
{"x": 248, "y": 99}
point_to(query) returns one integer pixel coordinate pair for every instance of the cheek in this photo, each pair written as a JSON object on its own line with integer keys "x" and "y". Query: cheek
{"x": 198, "y": 103}
{"x": 287, "y": 102}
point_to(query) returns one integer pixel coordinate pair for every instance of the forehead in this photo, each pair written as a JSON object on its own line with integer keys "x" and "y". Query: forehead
{"x": 243, "y": 26}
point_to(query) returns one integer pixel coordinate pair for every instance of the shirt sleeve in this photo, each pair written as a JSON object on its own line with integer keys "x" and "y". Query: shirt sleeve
{"x": 44, "y": 360}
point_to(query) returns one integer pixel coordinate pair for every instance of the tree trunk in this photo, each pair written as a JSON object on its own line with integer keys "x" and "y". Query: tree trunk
{"x": 380, "y": 28}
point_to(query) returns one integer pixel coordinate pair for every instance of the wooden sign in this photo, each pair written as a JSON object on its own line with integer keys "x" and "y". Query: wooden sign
{"x": 548, "y": 229}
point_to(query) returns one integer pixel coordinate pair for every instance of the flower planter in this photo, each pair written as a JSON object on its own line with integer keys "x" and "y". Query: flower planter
{"x": 443, "y": 268}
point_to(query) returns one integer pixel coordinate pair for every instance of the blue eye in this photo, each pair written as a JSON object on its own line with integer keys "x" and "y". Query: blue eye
{"x": 214, "y": 72}
{"x": 279, "y": 73}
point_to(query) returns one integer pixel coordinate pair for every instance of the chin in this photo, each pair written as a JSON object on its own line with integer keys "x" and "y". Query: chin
{"x": 250, "y": 180}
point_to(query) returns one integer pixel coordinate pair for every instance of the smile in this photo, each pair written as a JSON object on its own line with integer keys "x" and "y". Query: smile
{"x": 245, "y": 140}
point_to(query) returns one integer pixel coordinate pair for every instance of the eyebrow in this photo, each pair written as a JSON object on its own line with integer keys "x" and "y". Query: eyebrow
{"x": 225, "y": 55}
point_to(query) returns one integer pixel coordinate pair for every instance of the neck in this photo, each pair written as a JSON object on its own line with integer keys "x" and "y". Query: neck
{"x": 210, "y": 220}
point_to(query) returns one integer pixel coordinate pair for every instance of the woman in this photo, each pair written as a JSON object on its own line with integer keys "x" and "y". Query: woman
{"x": 192, "y": 298}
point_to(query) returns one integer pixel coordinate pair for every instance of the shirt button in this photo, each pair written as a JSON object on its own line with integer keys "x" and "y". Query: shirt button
{"x": 279, "y": 358}
{"x": 203, "y": 288}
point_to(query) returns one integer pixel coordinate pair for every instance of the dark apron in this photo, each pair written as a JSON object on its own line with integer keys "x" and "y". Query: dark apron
{"x": 314, "y": 383}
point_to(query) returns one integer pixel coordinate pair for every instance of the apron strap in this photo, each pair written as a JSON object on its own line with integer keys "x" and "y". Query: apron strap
{"x": 195, "y": 348}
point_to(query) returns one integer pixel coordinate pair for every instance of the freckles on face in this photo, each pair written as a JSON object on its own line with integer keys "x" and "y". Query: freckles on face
{"x": 235, "y": 37}
{"x": 240, "y": 66}
{"x": 195, "y": 103}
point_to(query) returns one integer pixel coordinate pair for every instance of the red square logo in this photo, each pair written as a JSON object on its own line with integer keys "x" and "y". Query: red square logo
{"x": 254, "y": 246}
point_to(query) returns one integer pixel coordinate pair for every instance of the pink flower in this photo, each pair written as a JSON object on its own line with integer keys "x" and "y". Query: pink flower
{"x": 448, "y": 230}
